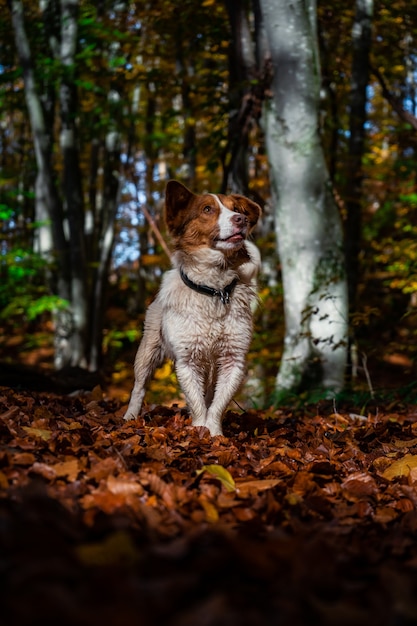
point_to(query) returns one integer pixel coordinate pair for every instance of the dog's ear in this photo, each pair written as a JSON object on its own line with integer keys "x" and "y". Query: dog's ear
{"x": 249, "y": 208}
{"x": 177, "y": 200}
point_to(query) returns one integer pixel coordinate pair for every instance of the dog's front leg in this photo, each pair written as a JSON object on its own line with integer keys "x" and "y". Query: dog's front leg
{"x": 230, "y": 376}
{"x": 192, "y": 385}
{"x": 149, "y": 356}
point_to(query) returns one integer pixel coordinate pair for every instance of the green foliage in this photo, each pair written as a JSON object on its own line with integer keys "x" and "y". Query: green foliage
{"x": 29, "y": 306}
{"x": 23, "y": 293}
{"x": 5, "y": 212}
{"x": 360, "y": 397}
{"x": 115, "y": 339}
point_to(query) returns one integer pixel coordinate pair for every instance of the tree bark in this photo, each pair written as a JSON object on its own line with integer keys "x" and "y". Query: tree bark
{"x": 308, "y": 226}
{"x": 361, "y": 42}
{"x": 242, "y": 68}
{"x": 48, "y": 206}
{"x": 105, "y": 245}
{"x": 72, "y": 188}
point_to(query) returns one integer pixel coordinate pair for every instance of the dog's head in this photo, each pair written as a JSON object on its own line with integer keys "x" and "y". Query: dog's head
{"x": 208, "y": 220}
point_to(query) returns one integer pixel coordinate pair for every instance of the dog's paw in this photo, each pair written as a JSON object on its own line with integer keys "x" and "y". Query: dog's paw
{"x": 215, "y": 429}
{"x": 129, "y": 416}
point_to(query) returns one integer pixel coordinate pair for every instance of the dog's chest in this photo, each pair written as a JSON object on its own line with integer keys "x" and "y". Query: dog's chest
{"x": 204, "y": 325}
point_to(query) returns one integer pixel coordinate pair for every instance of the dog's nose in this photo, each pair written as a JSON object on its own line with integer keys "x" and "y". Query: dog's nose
{"x": 238, "y": 219}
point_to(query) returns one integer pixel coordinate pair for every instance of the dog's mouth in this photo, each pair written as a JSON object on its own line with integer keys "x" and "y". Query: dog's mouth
{"x": 235, "y": 238}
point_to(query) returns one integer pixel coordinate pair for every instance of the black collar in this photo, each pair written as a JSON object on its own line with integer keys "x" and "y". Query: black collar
{"x": 224, "y": 294}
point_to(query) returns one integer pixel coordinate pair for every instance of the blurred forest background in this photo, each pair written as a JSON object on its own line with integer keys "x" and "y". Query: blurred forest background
{"x": 102, "y": 102}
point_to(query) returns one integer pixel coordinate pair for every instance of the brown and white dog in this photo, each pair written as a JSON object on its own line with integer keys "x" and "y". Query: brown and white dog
{"x": 202, "y": 316}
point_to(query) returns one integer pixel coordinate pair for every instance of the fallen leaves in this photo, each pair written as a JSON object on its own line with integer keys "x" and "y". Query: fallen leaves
{"x": 221, "y": 474}
{"x": 287, "y": 468}
{"x": 404, "y": 466}
{"x": 159, "y": 482}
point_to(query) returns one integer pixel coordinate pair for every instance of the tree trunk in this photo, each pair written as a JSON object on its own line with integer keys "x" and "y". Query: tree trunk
{"x": 361, "y": 41}
{"x": 48, "y": 207}
{"x": 242, "y": 68}
{"x": 72, "y": 189}
{"x": 308, "y": 226}
{"x": 188, "y": 169}
{"x": 105, "y": 245}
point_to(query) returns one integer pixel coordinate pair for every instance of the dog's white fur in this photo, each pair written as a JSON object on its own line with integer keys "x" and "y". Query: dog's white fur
{"x": 207, "y": 339}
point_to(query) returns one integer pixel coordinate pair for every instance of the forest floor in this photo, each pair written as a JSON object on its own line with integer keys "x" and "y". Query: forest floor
{"x": 296, "y": 516}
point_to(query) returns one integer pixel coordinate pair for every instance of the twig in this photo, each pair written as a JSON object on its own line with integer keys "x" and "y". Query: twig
{"x": 156, "y": 230}
{"x": 394, "y": 101}
{"x": 368, "y": 378}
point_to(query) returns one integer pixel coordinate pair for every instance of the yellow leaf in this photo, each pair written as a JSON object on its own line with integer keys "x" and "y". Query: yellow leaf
{"x": 212, "y": 514}
{"x": 38, "y": 432}
{"x": 219, "y": 472}
{"x": 400, "y": 467}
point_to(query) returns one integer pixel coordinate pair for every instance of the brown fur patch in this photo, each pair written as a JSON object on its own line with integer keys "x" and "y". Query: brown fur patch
{"x": 193, "y": 218}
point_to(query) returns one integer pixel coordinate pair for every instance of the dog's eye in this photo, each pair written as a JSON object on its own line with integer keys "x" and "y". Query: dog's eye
{"x": 236, "y": 209}
{"x": 207, "y": 209}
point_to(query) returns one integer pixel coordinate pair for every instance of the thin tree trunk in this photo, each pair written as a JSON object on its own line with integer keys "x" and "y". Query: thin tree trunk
{"x": 308, "y": 225}
{"x": 109, "y": 212}
{"x": 242, "y": 68}
{"x": 361, "y": 42}
{"x": 47, "y": 200}
{"x": 72, "y": 189}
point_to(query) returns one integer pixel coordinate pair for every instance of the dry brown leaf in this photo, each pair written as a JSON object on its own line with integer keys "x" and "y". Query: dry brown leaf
{"x": 253, "y": 487}
{"x": 4, "y": 483}
{"x": 125, "y": 484}
{"x": 101, "y": 468}
{"x": 303, "y": 483}
{"x": 291, "y": 453}
{"x": 385, "y": 514}
{"x": 277, "y": 467}
{"x": 405, "y": 443}
{"x": 103, "y": 500}
{"x": 68, "y": 469}
{"x": 42, "y": 433}
{"x": 44, "y": 470}
{"x": 381, "y": 463}
{"x": 24, "y": 458}
{"x": 159, "y": 487}
{"x": 360, "y": 484}
{"x": 244, "y": 514}
{"x": 10, "y": 414}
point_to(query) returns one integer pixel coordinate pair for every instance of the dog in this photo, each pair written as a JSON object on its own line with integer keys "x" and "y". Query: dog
{"x": 202, "y": 315}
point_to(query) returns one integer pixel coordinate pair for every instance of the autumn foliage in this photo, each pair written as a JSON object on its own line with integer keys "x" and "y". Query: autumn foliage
{"x": 293, "y": 517}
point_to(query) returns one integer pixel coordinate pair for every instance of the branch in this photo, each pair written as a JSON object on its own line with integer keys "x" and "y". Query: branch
{"x": 406, "y": 116}
{"x": 156, "y": 230}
